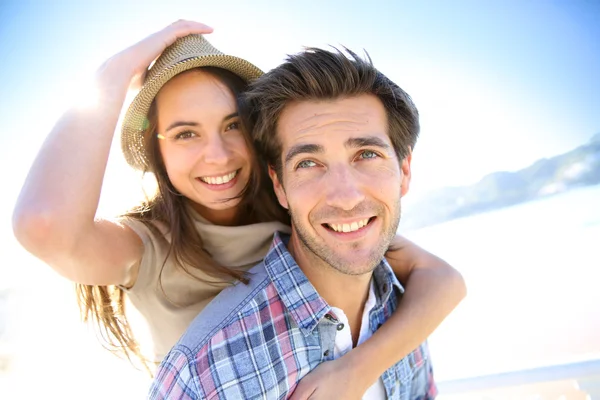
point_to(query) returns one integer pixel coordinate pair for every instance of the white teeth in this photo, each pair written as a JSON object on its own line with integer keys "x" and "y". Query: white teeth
{"x": 354, "y": 226}
{"x": 220, "y": 179}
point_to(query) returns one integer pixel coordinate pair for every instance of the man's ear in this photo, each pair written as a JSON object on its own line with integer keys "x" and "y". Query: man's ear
{"x": 279, "y": 192}
{"x": 405, "y": 167}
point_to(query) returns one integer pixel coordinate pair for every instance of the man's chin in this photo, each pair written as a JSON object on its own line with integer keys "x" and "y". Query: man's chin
{"x": 354, "y": 265}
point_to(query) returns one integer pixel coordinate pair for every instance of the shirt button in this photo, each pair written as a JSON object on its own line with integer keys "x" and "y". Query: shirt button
{"x": 326, "y": 353}
{"x": 340, "y": 327}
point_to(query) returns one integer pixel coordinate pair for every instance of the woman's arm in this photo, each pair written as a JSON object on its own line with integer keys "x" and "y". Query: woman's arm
{"x": 432, "y": 290}
{"x": 54, "y": 215}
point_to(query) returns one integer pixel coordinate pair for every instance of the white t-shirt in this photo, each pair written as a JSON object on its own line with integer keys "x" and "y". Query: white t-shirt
{"x": 343, "y": 341}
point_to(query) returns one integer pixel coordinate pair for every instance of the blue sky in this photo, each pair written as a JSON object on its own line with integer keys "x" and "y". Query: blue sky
{"x": 498, "y": 84}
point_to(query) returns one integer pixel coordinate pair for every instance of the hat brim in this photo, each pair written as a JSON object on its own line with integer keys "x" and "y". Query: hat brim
{"x": 132, "y": 139}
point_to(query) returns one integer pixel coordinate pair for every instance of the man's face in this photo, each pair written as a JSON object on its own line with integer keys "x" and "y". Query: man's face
{"x": 341, "y": 181}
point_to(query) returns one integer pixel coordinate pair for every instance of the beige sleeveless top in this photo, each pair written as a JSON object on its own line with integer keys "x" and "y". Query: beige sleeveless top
{"x": 170, "y": 306}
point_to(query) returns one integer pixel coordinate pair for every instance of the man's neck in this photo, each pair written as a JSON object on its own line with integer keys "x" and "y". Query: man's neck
{"x": 344, "y": 291}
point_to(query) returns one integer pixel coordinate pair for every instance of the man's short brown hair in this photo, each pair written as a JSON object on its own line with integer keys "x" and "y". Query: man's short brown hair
{"x": 318, "y": 74}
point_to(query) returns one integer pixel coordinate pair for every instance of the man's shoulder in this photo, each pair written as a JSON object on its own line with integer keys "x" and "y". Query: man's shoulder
{"x": 226, "y": 308}
{"x": 224, "y": 351}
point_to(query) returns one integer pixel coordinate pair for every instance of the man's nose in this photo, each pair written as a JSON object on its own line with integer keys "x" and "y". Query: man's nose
{"x": 343, "y": 188}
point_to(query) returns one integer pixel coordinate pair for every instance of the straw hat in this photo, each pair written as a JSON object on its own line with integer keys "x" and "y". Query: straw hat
{"x": 186, "y": 53}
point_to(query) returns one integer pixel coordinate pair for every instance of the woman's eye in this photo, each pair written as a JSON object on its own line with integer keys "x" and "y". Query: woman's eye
{"x": 185, "y": 135}
{"x": 368, "y": 154}
{"x": 306, "y": 164}
{"x": 234, "y": 125}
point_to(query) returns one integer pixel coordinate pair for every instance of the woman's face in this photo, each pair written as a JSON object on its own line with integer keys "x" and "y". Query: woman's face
{"x": 201, "y": 143}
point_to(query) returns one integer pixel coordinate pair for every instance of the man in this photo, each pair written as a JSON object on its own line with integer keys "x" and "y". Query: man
{"x": 337, "y": 136}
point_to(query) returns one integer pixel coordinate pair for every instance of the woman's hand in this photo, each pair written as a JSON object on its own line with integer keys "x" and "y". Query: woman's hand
{"x": 334, "y": 379}
{"x": 132, "y": 63}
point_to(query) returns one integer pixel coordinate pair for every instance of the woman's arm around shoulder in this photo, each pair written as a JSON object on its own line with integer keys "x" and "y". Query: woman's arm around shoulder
{"x": 433, "y": 289}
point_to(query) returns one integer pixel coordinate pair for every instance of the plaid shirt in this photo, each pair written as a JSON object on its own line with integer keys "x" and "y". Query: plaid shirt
{"x": 257, "y": 341}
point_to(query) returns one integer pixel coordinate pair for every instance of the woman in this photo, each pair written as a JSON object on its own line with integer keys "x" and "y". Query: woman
{"x": 175, "y": 253}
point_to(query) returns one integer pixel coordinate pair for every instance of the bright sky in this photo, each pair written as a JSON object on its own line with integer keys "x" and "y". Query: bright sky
{"x": 498, "y": 84}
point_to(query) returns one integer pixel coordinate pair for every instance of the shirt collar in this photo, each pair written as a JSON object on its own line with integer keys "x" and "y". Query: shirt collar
{"x": 385, "y": 282}
{"x": 300, "y": 297}
{"x": 295, "y": 290}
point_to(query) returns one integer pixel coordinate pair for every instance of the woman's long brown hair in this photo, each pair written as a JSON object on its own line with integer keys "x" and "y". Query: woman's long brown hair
{"x": 104, "y": 306}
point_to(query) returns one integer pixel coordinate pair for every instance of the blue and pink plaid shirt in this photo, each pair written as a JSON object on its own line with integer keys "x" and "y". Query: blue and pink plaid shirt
{"x": 257, "y": 341}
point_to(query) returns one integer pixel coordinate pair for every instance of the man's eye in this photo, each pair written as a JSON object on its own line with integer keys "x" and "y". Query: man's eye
{"x": 234, "y": 125}
{"x": 185, "y": 135}
{"x": 305, "y": 164}
{"x": 368, "y": 154}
